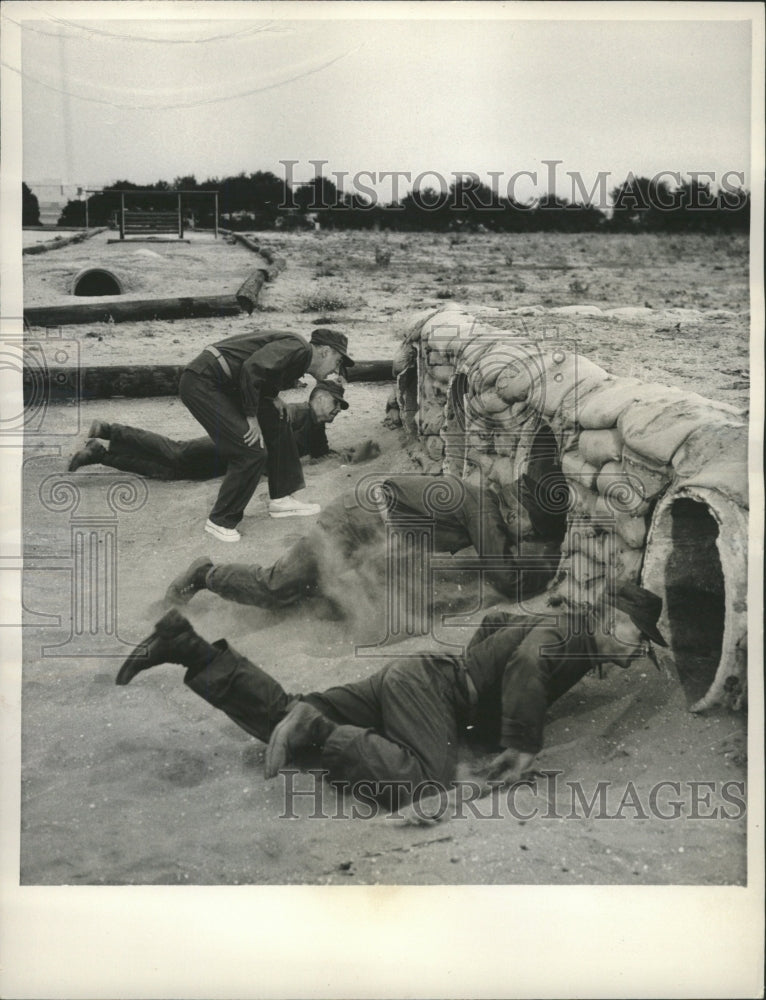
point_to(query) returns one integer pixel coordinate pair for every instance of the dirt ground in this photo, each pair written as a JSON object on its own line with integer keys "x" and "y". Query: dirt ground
{"x": 149, "y": 785}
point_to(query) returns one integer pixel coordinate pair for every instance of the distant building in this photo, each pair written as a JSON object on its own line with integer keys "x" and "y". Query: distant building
{"x": 52, "y": 194}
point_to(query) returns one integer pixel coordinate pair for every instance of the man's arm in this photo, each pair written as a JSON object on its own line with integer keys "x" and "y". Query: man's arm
{"x": 524, "y": 696}
{"x": 496, "y": 620}
{"x": 264, "y": 366}
{"x": 310, "y": 437}
{"x": 318, "y": 445}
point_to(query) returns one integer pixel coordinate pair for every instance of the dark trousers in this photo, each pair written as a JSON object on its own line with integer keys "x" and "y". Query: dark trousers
{"x": 293, "y": 576}
{"x": 343, "y": 538}
{"x": 399, "y": 725}
{"x": 133, "y": 449}
{"x": 214, "y": 402}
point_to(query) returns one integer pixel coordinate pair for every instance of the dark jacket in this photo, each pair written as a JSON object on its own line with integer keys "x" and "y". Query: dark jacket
{"x": 520, "y": 665}
{"x": 464, "y": 515}
{"x": 261, "y": 364}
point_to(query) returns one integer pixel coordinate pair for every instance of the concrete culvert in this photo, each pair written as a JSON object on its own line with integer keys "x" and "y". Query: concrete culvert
{"x": 96, "y": 281}
{"x": 543, "y": 468}
{"x": 695, "y": 562}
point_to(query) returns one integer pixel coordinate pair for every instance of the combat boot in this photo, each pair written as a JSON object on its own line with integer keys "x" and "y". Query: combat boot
{"x": 91, "y": 453}
{"x": 186, "y": 584}
{"x": 172, "y": 641}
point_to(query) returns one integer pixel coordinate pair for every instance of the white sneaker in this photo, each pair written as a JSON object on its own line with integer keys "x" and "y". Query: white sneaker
{"x": 290, "y": 507}
{"x": 221, "y": 533}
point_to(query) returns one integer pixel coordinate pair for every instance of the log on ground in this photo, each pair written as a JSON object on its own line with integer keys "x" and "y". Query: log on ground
{"x": 64, "y": 384}
{"x": 124, "y": 311}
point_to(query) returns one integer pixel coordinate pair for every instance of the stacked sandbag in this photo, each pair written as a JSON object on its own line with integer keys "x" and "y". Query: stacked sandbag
{"x": 475, "y": 399}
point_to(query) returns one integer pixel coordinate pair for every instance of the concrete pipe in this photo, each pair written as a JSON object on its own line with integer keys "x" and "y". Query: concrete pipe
{"x": 96, "y": 281}
{"x": 696, "y": 561}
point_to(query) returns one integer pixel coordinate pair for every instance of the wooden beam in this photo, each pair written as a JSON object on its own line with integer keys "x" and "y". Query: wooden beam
{"x": 62, "y": 241}
{"x": 126, "y": 310}
{"x": 64, "y": 384}
{"x": 151, "y": 239}
{"x": 371, "y": 371}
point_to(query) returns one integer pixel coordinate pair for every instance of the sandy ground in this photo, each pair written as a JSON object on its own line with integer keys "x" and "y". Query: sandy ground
{"x": 148, "y": 784}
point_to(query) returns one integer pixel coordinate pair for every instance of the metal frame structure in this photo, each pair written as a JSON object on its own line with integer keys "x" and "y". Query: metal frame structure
{"x": 151, "y": 191}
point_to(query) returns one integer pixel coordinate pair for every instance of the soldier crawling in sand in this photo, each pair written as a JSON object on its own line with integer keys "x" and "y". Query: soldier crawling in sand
{"x": 398, "y": 730}
{"x": 349, "y": 546}
{"x": 134, "y": 449}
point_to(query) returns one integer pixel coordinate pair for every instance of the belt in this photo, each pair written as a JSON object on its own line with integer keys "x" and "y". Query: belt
{"x": 220, "y": 359}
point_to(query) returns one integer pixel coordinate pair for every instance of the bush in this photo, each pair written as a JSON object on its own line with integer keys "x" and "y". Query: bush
{"x": 30, "y": 207}
{"x": 577, "y": 287}
{"x": 323, "y": 303}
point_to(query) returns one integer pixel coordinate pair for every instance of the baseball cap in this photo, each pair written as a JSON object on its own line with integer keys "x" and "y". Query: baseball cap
{"x": 334, "y": 339}
{"x": 642, "y": 607}
{"x": 335, "y": 389}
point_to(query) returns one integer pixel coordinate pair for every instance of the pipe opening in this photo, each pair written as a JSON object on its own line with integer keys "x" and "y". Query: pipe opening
{"x": 695, "y": 594}
{"x": 551, "y": 491}
{"x": 96, "y": 281}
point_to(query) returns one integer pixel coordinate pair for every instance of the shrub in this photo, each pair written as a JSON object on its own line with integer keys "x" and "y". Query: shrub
{"x": 323, "y": 303}
{"x": 577, "y": 287}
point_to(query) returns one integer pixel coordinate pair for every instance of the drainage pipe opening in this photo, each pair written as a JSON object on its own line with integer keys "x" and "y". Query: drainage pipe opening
{"x": 96, "y": 281}
{"x": 696, "y": 562}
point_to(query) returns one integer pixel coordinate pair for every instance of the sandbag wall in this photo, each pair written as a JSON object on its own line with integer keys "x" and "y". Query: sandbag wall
{"x": 655, "y": 477}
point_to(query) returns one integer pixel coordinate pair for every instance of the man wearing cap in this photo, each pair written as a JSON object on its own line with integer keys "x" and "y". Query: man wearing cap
{"x": 133, "y": 449}
{"x": 355, "y": 530}
{"x": 232, "y": 388}
{"x": 399, "y": 728}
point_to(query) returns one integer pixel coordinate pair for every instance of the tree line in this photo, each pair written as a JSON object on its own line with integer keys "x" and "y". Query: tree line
{"x": 261, "y": 200}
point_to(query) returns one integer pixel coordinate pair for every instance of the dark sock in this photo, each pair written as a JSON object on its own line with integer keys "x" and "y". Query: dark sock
{"x": 196, "y": 654}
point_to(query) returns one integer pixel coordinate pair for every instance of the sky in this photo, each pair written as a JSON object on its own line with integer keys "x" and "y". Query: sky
{"x": 366, "y": 88}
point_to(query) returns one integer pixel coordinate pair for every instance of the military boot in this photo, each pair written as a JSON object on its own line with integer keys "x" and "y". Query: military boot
{"x": 91, "y": 453}
{"x": 172, "y": 641}
{"x": 186, "y": 585}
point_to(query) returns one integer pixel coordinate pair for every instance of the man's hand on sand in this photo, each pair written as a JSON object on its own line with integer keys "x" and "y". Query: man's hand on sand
{"x": 509, "y": 766}
{"x": 507, "y": 769}
{"x": 363, "y": 451}
{"x": 429, "y": 811}
{"x": 253, "y": 436}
